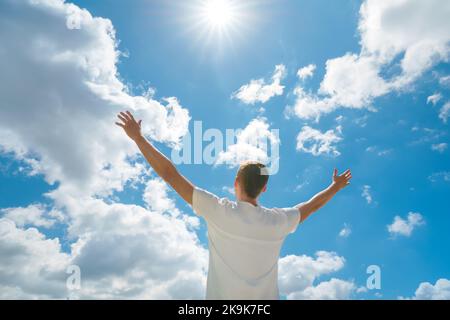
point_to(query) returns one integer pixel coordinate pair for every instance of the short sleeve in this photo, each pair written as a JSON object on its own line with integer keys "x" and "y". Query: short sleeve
{"x": 204, "y": 203}
{"x": 293, "y": 216}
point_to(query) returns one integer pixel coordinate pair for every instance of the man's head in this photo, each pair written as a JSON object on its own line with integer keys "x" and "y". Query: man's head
{"x": 251, "y": 180}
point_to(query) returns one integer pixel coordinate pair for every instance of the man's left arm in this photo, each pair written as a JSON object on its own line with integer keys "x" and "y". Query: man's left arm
{"x": 320, "y": 199}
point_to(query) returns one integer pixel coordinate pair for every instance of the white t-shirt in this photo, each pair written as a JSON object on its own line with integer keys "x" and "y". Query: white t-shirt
{"x": 244, "y": 246}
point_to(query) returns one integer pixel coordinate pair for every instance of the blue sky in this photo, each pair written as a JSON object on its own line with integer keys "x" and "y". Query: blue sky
{"x": 387, "y": 142}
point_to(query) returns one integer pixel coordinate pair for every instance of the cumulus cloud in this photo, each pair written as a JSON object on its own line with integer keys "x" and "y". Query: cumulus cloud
{"x": 439, "y": 291}
{"x": 123, "y": 251}
{"x": 400, "y": 41}
{"x": 145, "y": 254}
{"x": 306, "y": 72}
{"x": 298, "y": 274}
{"x": 405, "y": 227}
{"x": 156, "y": 196}
{"x": 30, "y": 264}
{"x": 256, "y": 142}
{"x": 60, "y": 93}
{"x": 334, "y": 289}
{"x": 313, "y": 141}
{"x": 33, "y": 215}
{"x": 261, "y": 91}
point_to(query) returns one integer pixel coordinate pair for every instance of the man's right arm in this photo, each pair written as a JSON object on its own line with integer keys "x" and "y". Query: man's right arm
{"x": 166, "y": 169}
{"x": 320, "y": 199}
{"x": 160, "y": 163}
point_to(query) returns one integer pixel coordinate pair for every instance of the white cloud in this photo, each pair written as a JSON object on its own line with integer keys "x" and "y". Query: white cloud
{"x": 345, "y": 231}
{"x": 123, "y": 251}
{"x": 313, "y": 141}
{"x": 412, "y": 30}
{"x": 260, "y": 91}
{"x": 439, "y": 291}
{"x": 366, "y": 194}
{"x": 30, "y": 264}
{"x": 435, "y": 98}
{"x": 60, "y": 93}
{"x": 298, "y": 274}
{"x": 155, "y": 196}
{"x": 439, "y": 147}
{"x": 442, "y": 175}
{"x": 229, "y": 190}
{"x": 428, "y": 135}
{"x": 406, "y": 226}
{"x": 145, "y": 254}
{"x": 252, "y": 143}
{"x": 445, "y": 81}
{"x": 334, "y": 289}
{"x": 306, "y": 72}
{"x": 444, "y": 113}
{"x": 379, "y": 152}
{"x": 32, "y": 215}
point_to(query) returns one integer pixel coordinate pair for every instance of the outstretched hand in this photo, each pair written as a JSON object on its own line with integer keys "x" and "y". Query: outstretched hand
{"x": 343, "y": 180}
{"x": 131, "y": 127}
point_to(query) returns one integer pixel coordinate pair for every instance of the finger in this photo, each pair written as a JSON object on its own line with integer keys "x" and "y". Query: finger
{"x": 120, "y": 124}
{"x": 335, "y": 172}
{"x": 140, "y": 122}
{"x": 130, "y": 115}
{"x": 345, "y": 173}
{"x": 348, "y": 174}
{"x": 122, "y": 118}
{"x": 123, "y": 114}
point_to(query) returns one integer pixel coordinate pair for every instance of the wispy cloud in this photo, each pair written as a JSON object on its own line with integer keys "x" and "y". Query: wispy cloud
{"x": 345, "y": 231}
{"x": 366, "y": 194}
{"x": 440, "y": 176}
{"x": 439, "y": 147}
{"x": 378, "y": 151}
{"x": 444, "y": 113}
{"x": 435, "y": 98}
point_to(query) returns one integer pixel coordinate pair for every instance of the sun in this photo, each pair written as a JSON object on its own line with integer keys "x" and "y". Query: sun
{"x": 218, "y": 24}
{"x": 218, "y": 13}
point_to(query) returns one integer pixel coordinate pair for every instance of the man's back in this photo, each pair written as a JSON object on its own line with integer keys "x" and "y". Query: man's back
{"x": 244, "y": 245}
{"x": 244, "y": 239}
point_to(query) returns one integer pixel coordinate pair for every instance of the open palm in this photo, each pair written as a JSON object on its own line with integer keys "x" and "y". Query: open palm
{"x": 343, "y": 180}
{"x": 130, "y": 125}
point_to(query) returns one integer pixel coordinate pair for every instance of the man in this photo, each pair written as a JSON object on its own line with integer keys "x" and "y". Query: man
{"x": 244, "y": 238}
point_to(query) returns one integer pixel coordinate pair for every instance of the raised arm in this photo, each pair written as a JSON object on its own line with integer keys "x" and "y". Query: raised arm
{"x": 160, "y": 163}
{"x": 320, "y": 199}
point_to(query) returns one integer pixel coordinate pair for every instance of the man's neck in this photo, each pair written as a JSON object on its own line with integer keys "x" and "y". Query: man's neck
{"x": 252, "y": 201}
